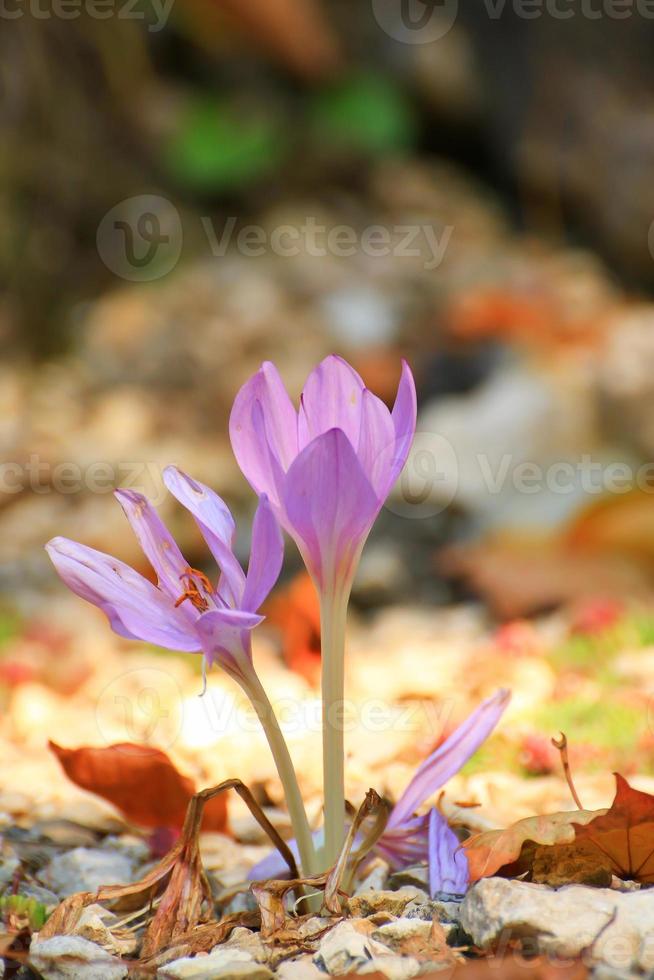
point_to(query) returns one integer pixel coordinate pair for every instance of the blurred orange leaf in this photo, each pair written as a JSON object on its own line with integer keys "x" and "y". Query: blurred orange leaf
{"x": 141, "y": 781}
{"x": 294, "y": 31}
{"x": 296, "y": 612}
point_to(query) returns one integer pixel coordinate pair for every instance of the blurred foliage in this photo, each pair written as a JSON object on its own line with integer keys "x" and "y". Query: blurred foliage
{"x": 19, "y": 911}
{"x": 367, "y": 113}
{"x": 220, "y": 146}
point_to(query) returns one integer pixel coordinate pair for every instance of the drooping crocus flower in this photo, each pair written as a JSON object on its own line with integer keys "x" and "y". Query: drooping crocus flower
{"x": 184, "y": 611}
{"x": 327, "y": 469}
{"x": 410, "y": 839}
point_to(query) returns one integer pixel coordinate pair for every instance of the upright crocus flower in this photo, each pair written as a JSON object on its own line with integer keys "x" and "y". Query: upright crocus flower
{"x": 185, "y": 611}
{"x": 327, "y": 470}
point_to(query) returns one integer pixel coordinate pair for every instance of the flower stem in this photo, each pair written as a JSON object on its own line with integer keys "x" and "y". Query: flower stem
{"x": 281, "y": 755}
{"x": 333, "y": 612}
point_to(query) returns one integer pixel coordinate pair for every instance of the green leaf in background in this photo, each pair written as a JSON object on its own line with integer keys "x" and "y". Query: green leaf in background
{"x": 218, "y": 147}
{"x": 366, "y": 113}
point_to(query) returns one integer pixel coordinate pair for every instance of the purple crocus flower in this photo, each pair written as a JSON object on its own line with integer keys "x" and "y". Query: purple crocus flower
{"x": 409, "y": 839}
{"x": 184, "y": 610}
{"x": 327, "y": 468}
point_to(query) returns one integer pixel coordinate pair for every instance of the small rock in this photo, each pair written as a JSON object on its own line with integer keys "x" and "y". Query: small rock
{"x": 392, "y": 966}
{"x": 86, "y": 869}
{"x": 95, "y": 924}
{"x": 565, "y": 921}
{"x": 228, "y": 964}
{"x": 361, "y": 906}
{"x": 245, "y": 941}
{"x": 374, "y": 880}
{"x": 74, "y": 958}
{"x": 394, "y": 934}
{"x": 303, "y": 968}
{"x": 445, "y": 912}
{"x": 346, "y": 948}
{"x": 417, "y": 876}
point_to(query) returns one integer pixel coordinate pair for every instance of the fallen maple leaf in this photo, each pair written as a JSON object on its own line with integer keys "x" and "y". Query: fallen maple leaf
{"x": 618, "y": 840}
{"x": 141, "y": 781}
{"x": 509, "y": 851}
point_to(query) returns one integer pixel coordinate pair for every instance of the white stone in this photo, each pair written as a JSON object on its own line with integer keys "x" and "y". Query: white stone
{"x": 86, "y": 869}
{"x": 74, "y": 958}
{"x": 393, "y": 966}
{"x": 221, "y": 962}
{"x": 393, "y": 934}
{"x": 565, "y": 921}
{"x": 346, "y": 949}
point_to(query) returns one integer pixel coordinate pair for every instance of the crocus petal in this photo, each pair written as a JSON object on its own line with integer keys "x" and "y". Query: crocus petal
{"x": 266, "y": 557}
{"x": 376, "y": 450}
{"x": 224, "y": 636}
{"x": 331, "y": 399}
{"x": 263, "y": 428}
{"x": 404, "y": 417}
{"x": 135, "y": 608}
{"x": 155, "y": 539}
{"x": 330, "y": 506}
{"x": 216, "y": 525}
{"x": 448, "y": 864}
{"x": 407, "y": 844}
{"x": 449, "y": 757}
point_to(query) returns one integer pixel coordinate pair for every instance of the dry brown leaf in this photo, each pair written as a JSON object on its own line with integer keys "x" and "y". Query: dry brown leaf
{"x": 618, "y": 840}
{"x": 178, "y": 880}
{"x": 141, "y": 781}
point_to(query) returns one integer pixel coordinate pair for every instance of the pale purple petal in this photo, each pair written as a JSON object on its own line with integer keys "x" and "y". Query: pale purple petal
{"x": 263, "y": 430}
{"x": 404, "y": 417}
{"x": 266, "y": 557}
{"x": 155, "y": 539}
{"x": 331, "y": 399}
{"x": 407, "y": 844}
{"x": 135, "y": 608}
{"x": 216, "y": 524}
{"x": 449, "y": 757}
{"x": 376, "y": 450}
{"x": 225, "y": 636}
{"x": 330, "y": 506}
{"x": 448, "y": 864}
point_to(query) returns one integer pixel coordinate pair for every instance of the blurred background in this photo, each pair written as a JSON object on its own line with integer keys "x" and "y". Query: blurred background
{"x": 189, "y": 187}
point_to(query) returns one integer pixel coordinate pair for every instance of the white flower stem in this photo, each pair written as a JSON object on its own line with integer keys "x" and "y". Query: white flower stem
{"x": 333, "y": 613}
{"x": 281, "y": 755}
